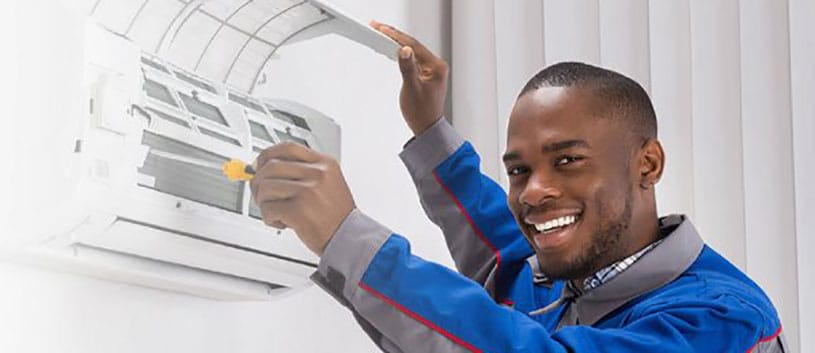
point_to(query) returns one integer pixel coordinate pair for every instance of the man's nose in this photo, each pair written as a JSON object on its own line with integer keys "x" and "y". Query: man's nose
{"x": 539, "y": 189}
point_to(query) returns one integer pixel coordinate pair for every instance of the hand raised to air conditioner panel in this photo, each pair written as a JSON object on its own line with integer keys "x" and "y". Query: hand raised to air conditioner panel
{"x": 297, "y": 187}
{"x": 424, "y": 80}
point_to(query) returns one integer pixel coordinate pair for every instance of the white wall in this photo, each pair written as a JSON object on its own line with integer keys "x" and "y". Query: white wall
{"x": 802, "y": 55}
{"x": 732, "y": 82}
{"x": 46, "y": 311}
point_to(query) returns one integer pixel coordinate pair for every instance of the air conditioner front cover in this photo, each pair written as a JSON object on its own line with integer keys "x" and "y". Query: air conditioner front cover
{"x": 229, "y": 41}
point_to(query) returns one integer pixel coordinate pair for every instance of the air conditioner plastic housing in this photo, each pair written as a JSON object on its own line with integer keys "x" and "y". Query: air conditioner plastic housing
{"x": 109, "y": 189}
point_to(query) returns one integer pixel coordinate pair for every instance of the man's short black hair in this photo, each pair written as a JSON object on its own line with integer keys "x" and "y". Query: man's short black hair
{"x": 620, "y": 97}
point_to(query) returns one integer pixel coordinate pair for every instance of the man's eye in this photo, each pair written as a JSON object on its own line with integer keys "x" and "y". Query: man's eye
{"x": 516, "y": 171}
{"x": 567, "y": 160}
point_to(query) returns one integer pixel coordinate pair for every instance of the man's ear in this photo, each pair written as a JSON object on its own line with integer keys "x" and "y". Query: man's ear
{"x": 651, "y": 163}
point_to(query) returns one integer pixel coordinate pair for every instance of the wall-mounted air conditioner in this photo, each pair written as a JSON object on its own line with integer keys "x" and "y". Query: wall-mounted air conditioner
{"x": 167, "y": 87}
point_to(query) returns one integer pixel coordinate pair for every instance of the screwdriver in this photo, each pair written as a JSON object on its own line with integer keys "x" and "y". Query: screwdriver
{"x": 237, "y": 170}
{"x": 234, "y": 170}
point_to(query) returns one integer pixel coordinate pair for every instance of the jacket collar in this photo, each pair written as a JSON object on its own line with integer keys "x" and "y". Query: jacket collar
{"x": 655, "y": 269}
{"x": 663, "y": 264}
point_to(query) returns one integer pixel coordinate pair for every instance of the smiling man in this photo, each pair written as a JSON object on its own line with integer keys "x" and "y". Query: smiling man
{"x": 574, "y": 259}
{"x": 582, "y": 158}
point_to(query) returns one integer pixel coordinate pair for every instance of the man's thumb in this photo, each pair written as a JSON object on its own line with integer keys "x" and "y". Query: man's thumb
{"x": 407, "y": 65}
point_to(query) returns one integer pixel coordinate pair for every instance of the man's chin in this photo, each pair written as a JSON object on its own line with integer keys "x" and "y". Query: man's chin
{"x": 562, "y": 270}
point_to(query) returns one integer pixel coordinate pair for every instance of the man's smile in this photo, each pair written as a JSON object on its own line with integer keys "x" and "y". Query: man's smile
{"x": 552, "y": 230}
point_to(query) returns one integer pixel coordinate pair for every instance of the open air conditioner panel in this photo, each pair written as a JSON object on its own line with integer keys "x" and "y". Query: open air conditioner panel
{"x": 159, "y": 95}
{"x": 170, "y": 89}
{"x": 229, "y": 41}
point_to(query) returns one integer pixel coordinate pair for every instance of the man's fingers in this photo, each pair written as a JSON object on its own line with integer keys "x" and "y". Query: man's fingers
{"x": 281, "y": 170}
{"x": 286, "y": 169}
{"x": 407, "y": 65}
{"x": 275, "y": 213}
{"x": 393, "y": 33}
{"x": 274, "y": 190}
{"x": 278, "y": 225}
{"x": 422, "y": 53}
{"x": 288, "y": 151}
{"x": 411, "y": 79}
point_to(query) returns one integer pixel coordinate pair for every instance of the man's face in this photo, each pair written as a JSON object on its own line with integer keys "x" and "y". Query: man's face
{"x": 571, "y": 180}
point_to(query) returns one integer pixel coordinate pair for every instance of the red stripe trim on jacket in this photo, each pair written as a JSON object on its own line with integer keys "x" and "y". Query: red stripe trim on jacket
{"x": 472, "y": 225}
{"x": 419, "y": 318}
{"x": 766, "y": 339}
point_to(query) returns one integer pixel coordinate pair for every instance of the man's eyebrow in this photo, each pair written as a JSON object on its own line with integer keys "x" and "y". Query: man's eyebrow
{"x": 562, "y": 145}
{"x": 511, "y": 156}
{"x": 552, "y": 147}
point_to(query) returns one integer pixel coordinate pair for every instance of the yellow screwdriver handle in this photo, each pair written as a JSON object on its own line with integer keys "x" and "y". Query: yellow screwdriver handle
{"x": 236, "y": 170}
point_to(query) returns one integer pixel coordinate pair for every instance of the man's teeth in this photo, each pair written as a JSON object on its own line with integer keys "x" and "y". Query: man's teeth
{"x": 555, "y": 223}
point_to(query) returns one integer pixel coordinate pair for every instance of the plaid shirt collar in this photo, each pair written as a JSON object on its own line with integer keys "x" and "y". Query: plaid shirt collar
{"x": 571, "y": 292}
{"x": 603, "y": 275}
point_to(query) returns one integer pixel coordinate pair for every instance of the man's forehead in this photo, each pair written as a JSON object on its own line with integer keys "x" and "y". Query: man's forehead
{"x": 560, "y": 109}
{"x": 547, "y": 95}
{"x": 554, "y": 102}
{"x": 545, "y": 100}
{"x": 552, "y": 115}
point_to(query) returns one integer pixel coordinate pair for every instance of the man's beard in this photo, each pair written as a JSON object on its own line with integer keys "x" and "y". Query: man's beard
{"x": 602, "y": 251}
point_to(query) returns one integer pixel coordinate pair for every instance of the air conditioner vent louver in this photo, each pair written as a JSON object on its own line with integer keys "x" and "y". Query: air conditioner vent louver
{"x": 123, "y": 221}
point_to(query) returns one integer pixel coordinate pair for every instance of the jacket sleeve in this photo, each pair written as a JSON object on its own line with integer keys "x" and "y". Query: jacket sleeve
{"x": 470, "y": 208}
{"x": 413, "y": 305}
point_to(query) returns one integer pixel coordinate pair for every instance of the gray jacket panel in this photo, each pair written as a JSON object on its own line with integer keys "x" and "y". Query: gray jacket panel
{"x": 473, "y": 257}
{"x": 341, "y": 269}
